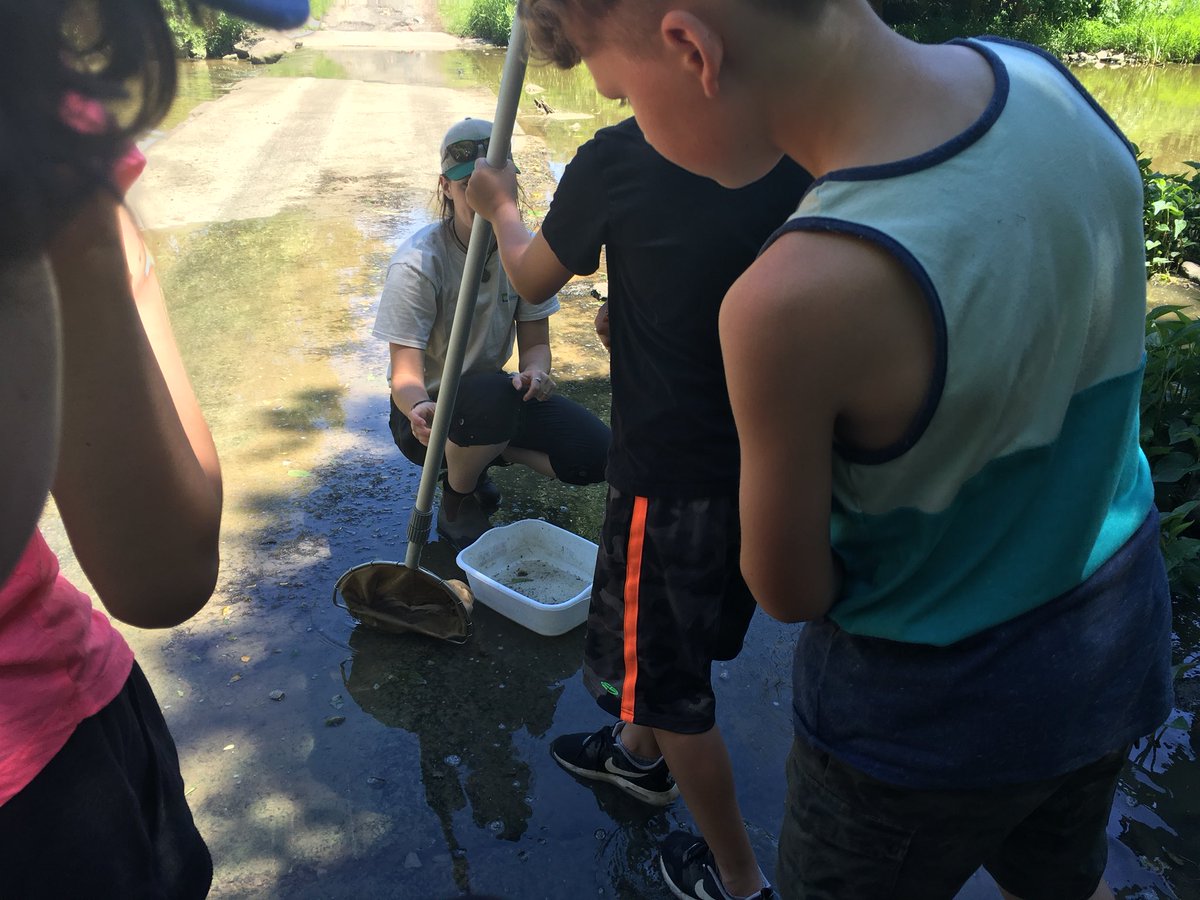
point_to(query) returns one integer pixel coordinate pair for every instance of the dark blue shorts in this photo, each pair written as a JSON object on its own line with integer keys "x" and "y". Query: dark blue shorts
{"x": 488, "y": 410}
{"x": 107, "y": 816}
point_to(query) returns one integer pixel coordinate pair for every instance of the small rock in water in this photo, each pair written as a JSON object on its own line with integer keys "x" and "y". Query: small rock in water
{"x": 337, "y": 702}
{"x": 276, "y": 695}
{"x": 412, "y": 861}
{"x": 334, "y": 721}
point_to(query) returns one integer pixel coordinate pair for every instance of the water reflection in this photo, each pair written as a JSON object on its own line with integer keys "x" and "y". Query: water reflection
{"x": 200, "y": 81}
{"x": 1158, "y": 108}
{"x": 577, "y": 108}
{"x": 464, "y": 705}
{"x": 1155, "y": 814}
{"x": 258, "y": 307}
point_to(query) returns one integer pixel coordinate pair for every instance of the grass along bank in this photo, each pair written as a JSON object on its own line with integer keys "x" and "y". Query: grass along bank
{"x": 485, "y": 20}
{"x": 1155, "y": 31}
{"x": 1149, "y": 36}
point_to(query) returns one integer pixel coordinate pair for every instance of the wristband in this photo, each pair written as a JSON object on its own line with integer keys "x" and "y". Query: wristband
{"x": 413, "y": 408}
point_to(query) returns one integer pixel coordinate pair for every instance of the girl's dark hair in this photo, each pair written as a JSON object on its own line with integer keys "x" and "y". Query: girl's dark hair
{"x": 117, "y": 52}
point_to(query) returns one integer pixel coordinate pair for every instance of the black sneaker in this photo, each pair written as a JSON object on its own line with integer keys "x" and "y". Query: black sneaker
{"x": 488, "y": 493}
{"x": 691, "y": 872}
{"x": 598, "y": 757}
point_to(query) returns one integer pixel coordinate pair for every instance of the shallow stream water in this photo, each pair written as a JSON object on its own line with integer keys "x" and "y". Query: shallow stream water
{"x": 437, "y": 779}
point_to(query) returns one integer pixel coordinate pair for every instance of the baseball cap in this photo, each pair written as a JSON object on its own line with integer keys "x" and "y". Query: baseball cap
{"x": 272, "y": 13}
{"x": 474, "y": 131}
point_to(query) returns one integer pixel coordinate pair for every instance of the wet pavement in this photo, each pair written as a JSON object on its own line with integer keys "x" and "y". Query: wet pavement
{"x": 326, "y": 760}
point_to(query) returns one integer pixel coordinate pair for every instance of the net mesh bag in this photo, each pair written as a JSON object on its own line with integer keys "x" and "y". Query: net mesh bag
{"x": 389, "y": 596}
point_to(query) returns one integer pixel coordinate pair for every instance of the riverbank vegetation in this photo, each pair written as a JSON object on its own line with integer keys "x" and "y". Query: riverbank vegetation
{"x": 1150, "y": 30}
{"x": 202, "y": 33}
{"x": 1170, "y": 436}
{"x": 485, "y": 20}
{"x": 1170, "y": 433}
{"x": 1171, "y": 217}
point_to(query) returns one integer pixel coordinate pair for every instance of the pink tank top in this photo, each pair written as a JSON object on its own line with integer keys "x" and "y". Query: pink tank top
{"x": 61, "y": 661}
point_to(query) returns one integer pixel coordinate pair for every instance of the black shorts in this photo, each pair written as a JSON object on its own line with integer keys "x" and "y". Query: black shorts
{"x": 488, "y": 410}
{"x": 668, "y": 598}
{"x": 846, "y": 834}
{"x": 107, "y": 816}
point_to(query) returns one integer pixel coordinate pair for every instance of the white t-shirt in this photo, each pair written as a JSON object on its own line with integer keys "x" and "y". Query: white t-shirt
{"x": 420, "y": 295}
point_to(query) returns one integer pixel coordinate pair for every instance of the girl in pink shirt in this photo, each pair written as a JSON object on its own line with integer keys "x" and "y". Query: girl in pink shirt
{"x": 95, "y": 406}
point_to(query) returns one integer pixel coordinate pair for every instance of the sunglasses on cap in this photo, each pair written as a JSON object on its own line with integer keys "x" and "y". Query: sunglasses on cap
{"x": 467, "y": 150}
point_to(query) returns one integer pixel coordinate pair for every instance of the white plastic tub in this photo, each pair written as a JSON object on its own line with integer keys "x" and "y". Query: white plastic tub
{"x": 534, "y": 573}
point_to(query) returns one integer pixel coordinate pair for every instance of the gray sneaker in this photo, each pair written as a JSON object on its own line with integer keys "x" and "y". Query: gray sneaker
{"x": 461, "y": 520}
{"x": 487, "y": 492}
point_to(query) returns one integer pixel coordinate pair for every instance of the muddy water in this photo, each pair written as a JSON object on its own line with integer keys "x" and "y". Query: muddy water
{"x": 200, "y": 82}
{"x": 404, "y": 768}
{"x": 574, "y": 108}
{"x": 1158, "y": 108}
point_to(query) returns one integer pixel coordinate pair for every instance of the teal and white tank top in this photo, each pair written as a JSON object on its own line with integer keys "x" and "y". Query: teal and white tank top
{"x": 1023, "y": 474}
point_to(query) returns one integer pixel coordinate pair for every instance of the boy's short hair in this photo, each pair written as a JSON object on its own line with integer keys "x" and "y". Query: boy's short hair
{"x": 544, "y": 21}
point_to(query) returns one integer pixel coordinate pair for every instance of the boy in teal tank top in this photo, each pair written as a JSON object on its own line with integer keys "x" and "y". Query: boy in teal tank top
{"x": 934, "y": 366}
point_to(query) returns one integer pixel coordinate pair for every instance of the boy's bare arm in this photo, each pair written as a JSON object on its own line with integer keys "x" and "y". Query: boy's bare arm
{"x": 823, "y": 337}
{"x": 783, "y": 375}
{"x": 532, "y": 267}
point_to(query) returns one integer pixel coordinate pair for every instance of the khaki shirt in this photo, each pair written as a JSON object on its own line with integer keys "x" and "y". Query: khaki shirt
{"x": 420, "y": 295}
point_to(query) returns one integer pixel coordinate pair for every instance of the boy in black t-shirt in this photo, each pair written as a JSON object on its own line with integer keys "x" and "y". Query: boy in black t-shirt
{"x": 668, "y": 597}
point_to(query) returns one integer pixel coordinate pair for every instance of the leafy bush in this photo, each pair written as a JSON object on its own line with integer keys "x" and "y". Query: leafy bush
{"x": 1170, "y": 435}
{"x": 491, "y": 20}
{"x": 487, "y": 20}
{"x": 206, "y": 34}
{"x": 223, "y": 33}
{"x": 1172, "y": 217}
{"x": 189, "y": 36}
{"x": 1157, "y": 30}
